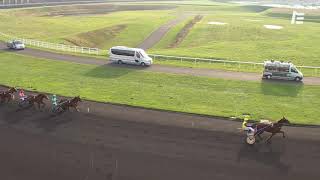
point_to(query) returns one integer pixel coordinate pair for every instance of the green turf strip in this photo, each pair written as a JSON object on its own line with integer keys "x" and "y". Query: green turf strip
{"x": 163, "y": 91}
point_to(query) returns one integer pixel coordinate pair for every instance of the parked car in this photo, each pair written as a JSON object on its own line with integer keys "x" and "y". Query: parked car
{"x": 16, "y": 44}
{"x": 281, "y": 70}
{"x": 126, "y": 55}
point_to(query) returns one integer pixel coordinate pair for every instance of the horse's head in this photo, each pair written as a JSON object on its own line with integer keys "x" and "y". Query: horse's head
{"x": 78, "y": 99}
{"x": 42, "y": 96}
{"x": 284, "y": 121}
{"x": 12, "y": 90}
{"x": 45, "y": 97}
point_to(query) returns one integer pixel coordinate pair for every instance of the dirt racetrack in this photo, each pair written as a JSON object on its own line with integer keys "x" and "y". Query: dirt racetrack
{"x": 121, "y": 142}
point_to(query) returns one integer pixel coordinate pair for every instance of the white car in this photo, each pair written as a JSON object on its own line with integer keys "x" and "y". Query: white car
{"x": 15, "y": 44}
{"x": 125, "y": 55}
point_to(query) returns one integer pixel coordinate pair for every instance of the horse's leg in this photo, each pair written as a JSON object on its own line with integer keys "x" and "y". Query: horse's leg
{"x": 269, "y": 139}
{"x": 283, "y": 135}
{"x": 76, "y": 108}
{"x": 260, "y": 138}
{"x": 43, "y": 104}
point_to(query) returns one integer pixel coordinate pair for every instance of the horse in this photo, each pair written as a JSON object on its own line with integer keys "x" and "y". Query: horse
{"x": 7, "y": 95}
{"x": 32, "y": 99}
{"x": 66, "y": 104}
{"x": 273, "y": 128}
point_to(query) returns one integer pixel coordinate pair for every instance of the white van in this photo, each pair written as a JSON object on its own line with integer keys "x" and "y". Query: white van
{"x": 281, "y": 70}
{"x": 125, "y": 55}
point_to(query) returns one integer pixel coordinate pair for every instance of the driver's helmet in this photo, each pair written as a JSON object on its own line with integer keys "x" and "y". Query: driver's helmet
{"x": 246, "y": 117}
{"x": 54, "y": 97}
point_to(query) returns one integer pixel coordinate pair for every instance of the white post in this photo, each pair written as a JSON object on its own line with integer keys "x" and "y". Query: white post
{"x": 293, "y": 19}
{"x": 297, "y": 18}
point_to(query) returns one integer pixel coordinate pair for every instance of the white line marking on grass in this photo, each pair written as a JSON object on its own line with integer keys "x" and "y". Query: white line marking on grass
{"x": 253, "y": 20}
{"x": 217, "y": 23}
{"x": 273, "y": 27}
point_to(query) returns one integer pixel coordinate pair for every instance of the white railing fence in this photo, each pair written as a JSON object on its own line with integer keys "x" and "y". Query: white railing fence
{"x": 198, "y": 60}
{"x": 97, "y": 51}
{"x": 54, "y": 46}
{"x": 237, "y": 64}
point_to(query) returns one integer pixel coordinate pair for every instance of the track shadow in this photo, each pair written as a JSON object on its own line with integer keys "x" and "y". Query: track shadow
{"x": 16, "y": 115}
{"x": 112, "y": 70}
{"x": 21, "y": 109}
{"x": 267, "y": 154}
{"x": 51, "y": 122}
{"x": 281, "y": 88}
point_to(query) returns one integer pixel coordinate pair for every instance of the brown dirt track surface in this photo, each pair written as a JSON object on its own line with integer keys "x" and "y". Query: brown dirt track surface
{"x": 121, "y": 142}
{"x": 246, "y": 76}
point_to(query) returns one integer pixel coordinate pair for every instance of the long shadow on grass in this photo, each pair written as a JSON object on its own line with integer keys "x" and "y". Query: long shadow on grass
{"x": 281, "y": 88}
{"x": 113, "y": 70}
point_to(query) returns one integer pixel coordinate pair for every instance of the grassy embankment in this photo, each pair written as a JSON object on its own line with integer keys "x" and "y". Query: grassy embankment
{"x": 128, "y": 28}
{"x": 244, "y": 38}
{"x": 163, "y": 91}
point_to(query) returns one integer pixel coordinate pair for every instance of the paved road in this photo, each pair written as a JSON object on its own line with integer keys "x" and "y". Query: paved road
{"x": 158, "y": 34}
{"x": 154, "y": 68}
{"x": 121, "y": 142}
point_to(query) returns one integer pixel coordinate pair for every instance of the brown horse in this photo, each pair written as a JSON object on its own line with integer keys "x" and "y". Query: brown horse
{"x": 7, "y": 95}
{"x": 273, "y": 128}
{"x": 66, "y": 104}
{"x": 32, "y": 99}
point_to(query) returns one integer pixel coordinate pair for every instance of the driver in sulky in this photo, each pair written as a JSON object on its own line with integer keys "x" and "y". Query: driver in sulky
{"x": 247, "y": 126}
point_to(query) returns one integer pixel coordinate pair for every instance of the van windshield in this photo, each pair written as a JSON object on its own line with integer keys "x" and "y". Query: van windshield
{"x": 17, "y": 42}
{"x": 293, "y": 69}
{"x": 143, "y": 54}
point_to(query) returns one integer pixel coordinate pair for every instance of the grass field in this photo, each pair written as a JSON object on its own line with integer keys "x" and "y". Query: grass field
{"x": 98, "y": 30}
{"x": 163, "y": 91}
{"x": 243, "y": 38}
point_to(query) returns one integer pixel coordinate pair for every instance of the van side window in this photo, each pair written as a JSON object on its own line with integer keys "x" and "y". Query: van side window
{"x": 122, "y": 52}
{"x": 138, "y": 55}
{"x": 283, "y": 69}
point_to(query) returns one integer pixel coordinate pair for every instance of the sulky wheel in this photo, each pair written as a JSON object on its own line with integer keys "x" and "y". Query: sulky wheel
{"x": 250, "y": 140}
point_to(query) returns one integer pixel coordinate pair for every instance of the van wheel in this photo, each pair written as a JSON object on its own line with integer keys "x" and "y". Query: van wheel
{"x": 120, "y": 62}
{"x": 268, "y": 77}
{"x": 297, "y": 79}
{"x": 143, "y": 64}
